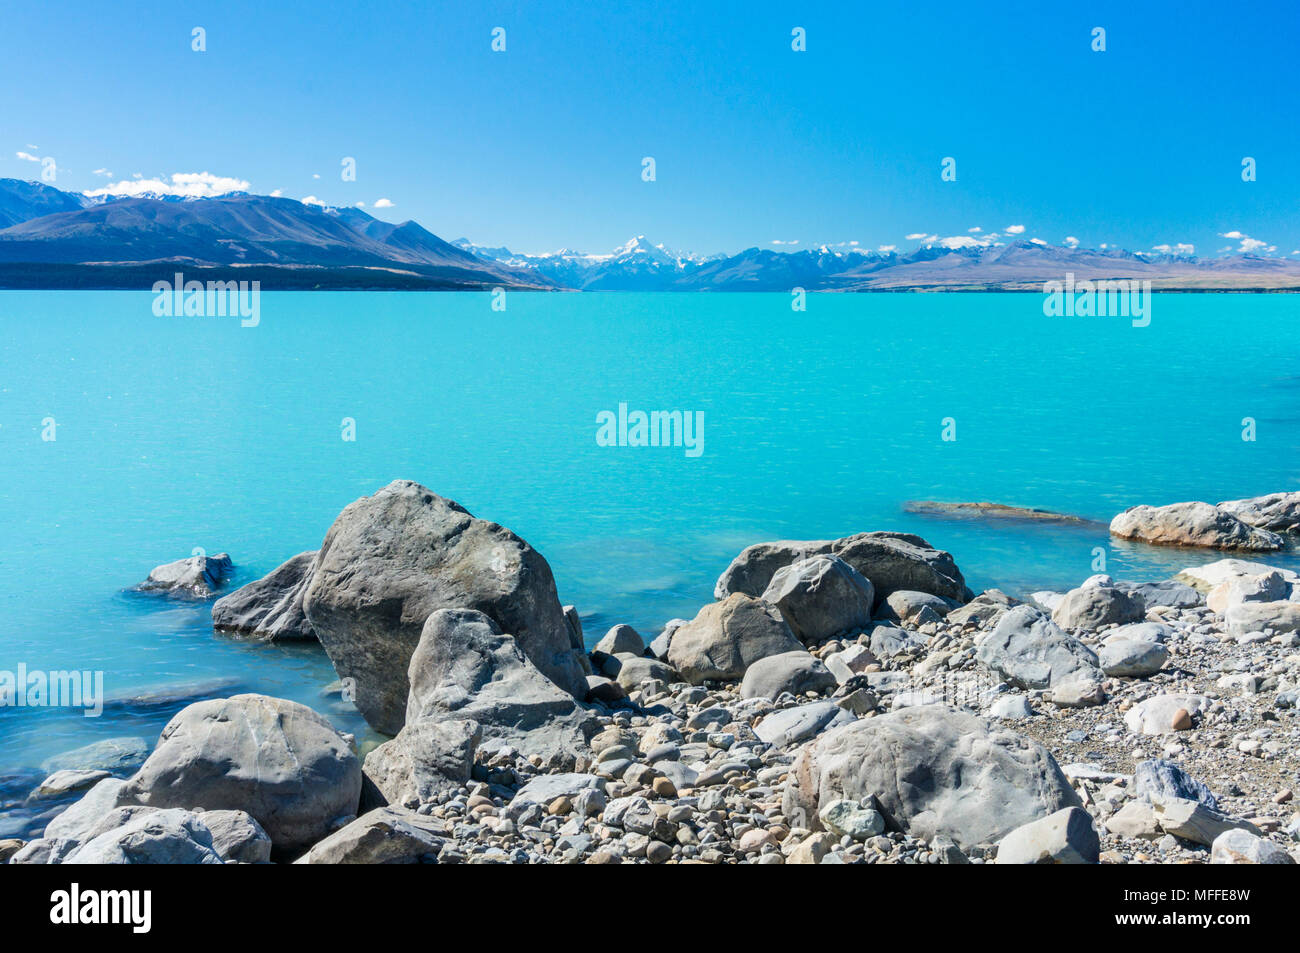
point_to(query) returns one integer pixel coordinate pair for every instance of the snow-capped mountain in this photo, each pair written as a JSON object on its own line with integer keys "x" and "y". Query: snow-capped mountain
{"x": 51, "y": 238}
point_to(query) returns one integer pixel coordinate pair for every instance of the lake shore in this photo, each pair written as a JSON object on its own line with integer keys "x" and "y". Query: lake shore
{"x": 1116, "y": 722}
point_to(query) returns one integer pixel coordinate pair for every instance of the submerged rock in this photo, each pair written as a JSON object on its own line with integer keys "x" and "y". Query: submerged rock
{"x": 270, "y": 608}
{"x": 120, "y": 756}
{"x": 392, "y": 559}
{"x": 1192, "y": 524}
{"x": 993, "y": 511}
{"x": 197, "y": 577}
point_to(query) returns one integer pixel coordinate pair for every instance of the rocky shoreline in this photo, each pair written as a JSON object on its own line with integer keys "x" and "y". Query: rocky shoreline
{"x": 841, "y": 701}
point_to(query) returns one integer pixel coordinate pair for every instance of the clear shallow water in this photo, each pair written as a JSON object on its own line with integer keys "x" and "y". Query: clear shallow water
{"x": 176, "y": 433}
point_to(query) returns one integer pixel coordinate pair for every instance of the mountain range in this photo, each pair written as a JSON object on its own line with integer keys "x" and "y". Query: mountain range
{"x": 55, "y": 239}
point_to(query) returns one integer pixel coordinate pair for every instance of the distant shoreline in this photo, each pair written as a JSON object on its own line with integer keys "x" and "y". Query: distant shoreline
{"x": 26, "y": 276}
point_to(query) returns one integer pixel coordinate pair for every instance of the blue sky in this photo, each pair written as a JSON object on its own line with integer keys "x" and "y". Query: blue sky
{"x": 541, "y": 147}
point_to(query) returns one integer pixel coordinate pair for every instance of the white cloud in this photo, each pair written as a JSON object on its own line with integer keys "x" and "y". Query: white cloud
{"x": 194, "y": 185}
{"x": 1037, "y": 241}
{"x": 312, "y": 200}
{"x": 103, "y": 172}
{"x": 974, "y": 230}
{"x": 315, "y": 175}
{"x": 916, "y": 236}
{"x": 361, "y": 205}
{"x": 1248, "y": 244}
{"x": 387, "y": 203}
{"x": 27, "y": 157}
{"x": 1015, "y": 229}
{"x": 1181, "y": 248}
{"x": 277, "y": 193}
{"x": 886, "y": 249}
{"x": 1071, "y": 241}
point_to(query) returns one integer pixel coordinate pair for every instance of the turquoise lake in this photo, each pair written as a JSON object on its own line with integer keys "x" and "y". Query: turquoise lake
{"x": 177, "y": 433}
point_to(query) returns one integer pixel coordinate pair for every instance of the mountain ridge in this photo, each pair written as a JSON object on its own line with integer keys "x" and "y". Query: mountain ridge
{"x": 51, "y": 238}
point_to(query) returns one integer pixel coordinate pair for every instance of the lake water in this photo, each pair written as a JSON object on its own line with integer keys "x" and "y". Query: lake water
{"x": 177, "y": 433}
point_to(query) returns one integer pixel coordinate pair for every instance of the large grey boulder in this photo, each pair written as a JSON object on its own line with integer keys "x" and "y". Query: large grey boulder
{"x": 1245, "y": 617}
{"x": 1066, "y": 837}
{"x": 1132, "y": 658}
{"x": 465, "y": 668}
{"x": 935, "y": 770}
{"x": 541, "y": 790}
{"x": 158, "y": 837}
{"x": 1165, "y": 714}
{"x": 1091, "y": 607}
{"x": 1157, "y": 779}
{"x": 894, "y": 561}
{"x": 1167, "y": 593}
{"x": 751, "y": 572}
{"x": 1278, "y": 512}
{"x": 197, "y": 577}
{"x": 1031, "y": 651}
{"x": 276, "y": 759}
{"x": 237, "y": 836}
{"x": 392, "y": 559}
{"x": 1210, "y": 576}
{"x": 913, "y": 608}
{"x": 635, "y": 670}
{"x": 1238, "y": 846}
{"x": 821, "y": 597}
{"x": 727, "y": 637}
{"x": 1192, "y": 524}
{"x": 621, "y": 640}
{"x": 1270, "y": 586}
{"x": 270, "y": 608}
{"x": 81, "y": 820}
{"x": 891, "y": 561}
{"x": 386, "y": 835}
{"x": 792, "y": 726}
{"x": 429, "y": 757}
{"x": 794, "y": 672}
{"x": 1193, "y": 821}
{"x": 985, "y": 609}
